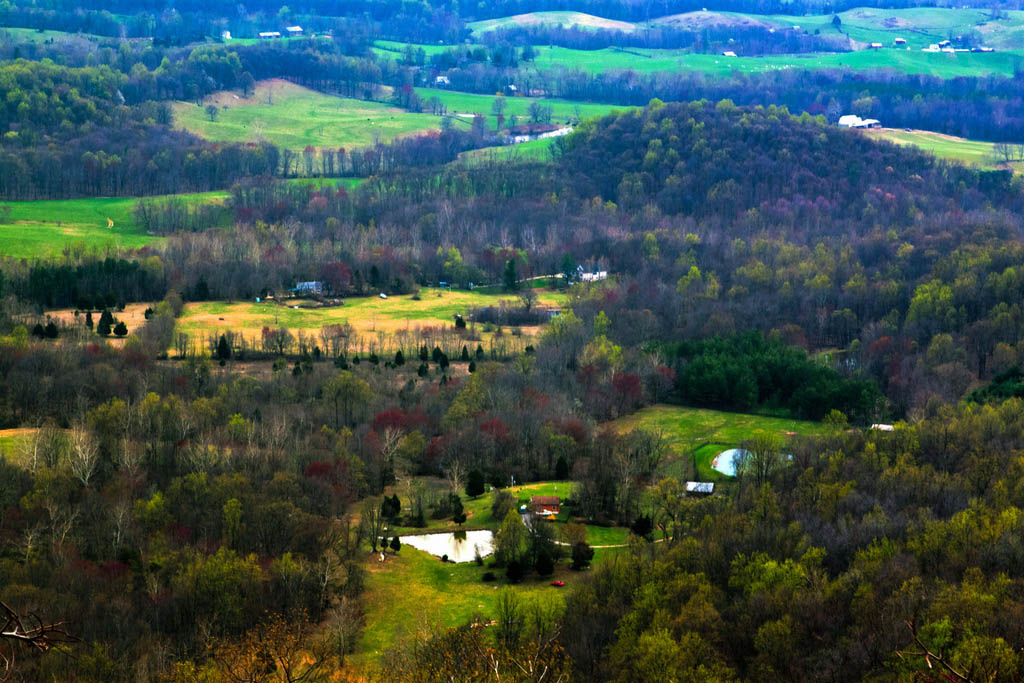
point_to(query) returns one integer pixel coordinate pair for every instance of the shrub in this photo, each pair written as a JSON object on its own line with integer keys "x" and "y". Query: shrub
{"x": 514, "y": 572}
{"x": 488, "y": 577}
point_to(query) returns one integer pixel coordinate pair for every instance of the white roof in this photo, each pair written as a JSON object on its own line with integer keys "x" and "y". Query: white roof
{"x": 883, "y": 427}
{"x": 728, "y": 53}
{"x": 294, "y": 29}
{"x": 270, "y": 34}
{"x": 700, "y": 487}
{"x": 854, "y": 121}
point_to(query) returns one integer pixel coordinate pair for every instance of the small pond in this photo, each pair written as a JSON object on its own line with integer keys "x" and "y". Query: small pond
{"x": 725, "y": 462}
{"x": 459, "y": 546}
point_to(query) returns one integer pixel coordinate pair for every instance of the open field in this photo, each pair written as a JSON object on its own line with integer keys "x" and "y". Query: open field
{"x": 534, "y": 150}
{"x": 366, "y": 315}
{"x": 47, "y": 227}
{"x": 467, "y": 103}
{"x": 10, "y": 444}
{"x": 943, "y": 65}
{"x": 908, "y": 61}
{"x": 709, "y": 432}
{"x": 919, "y": 26}
{"x": 414, "y": 591}
{"x": 566, "y": 19}
{"x": 294, "y": 117}
{"x": 973, "y": 152}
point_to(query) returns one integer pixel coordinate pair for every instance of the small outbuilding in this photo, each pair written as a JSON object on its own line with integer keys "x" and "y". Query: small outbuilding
{"x": 900, "y": 41}
{"x": 294, "y": 30}
{"x": 312, "y": 287}
{"x": 728, "y": 53}
{"x": 700, "y": 488}
{"x": 267, "y": 35}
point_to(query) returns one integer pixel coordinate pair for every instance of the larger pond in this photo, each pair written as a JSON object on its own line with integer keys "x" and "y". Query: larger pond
{"x": 459, "y": 546}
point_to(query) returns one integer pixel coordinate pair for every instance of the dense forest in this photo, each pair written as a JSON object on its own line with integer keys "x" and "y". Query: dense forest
{"x": 215, "y": 448}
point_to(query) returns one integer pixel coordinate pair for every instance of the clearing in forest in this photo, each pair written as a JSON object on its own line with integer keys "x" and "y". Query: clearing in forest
{"x": 368, "y": 316}
{"x": 705, "y": 433}
{"x": 294, "y": 117}
{"x": 414, "y": 591}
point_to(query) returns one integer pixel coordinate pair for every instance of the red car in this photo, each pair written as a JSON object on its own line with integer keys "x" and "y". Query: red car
{"x": 558, "y": 584}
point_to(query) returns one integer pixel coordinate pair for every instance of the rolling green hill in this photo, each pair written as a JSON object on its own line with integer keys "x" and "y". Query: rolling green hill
{"x": 566, "y": 19}
{"x": 294, "y": 117}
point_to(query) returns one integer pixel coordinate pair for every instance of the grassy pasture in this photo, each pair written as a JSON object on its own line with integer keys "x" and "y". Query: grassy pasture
{"x": 919, "y": 26}
{"x": 943, "y": 65}
{"x": 47, "y": 227}
{"x": 413, "y": 591}
{"x": 567, "y": 19}
{"x": 467, "y": 103}
{"x": 11, "y": 441}
{"x": 43, "y": 228}
{"x": 367, "y": 315}
{"x": 908, "y": 61}
{"x": 294, "y": 117}
{"x": 534, "y": 150}
{"x": 708, "y": 432}
{"x": 973, "y": 152}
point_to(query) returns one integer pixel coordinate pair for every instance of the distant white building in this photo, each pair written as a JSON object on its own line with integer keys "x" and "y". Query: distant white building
{"x": 700, "y": 487}
{"x": 294, "y": 30}
{"x": 266, "y": 35}
{"x": 854, "y": 121}
{"x": 900, "y": 41}
{"x": 728, "y": 53}
{"x": 876, "y": 46}
{"x": 225, "y": 35}
{"x": 442, "y": 80}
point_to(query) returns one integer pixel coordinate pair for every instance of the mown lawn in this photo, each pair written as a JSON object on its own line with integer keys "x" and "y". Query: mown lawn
{"x": 708, "y": 432}
{"x": 294, "y": 117}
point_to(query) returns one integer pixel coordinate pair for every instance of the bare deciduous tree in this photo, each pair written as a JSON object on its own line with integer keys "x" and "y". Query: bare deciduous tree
{"x": 84, "y": 454}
